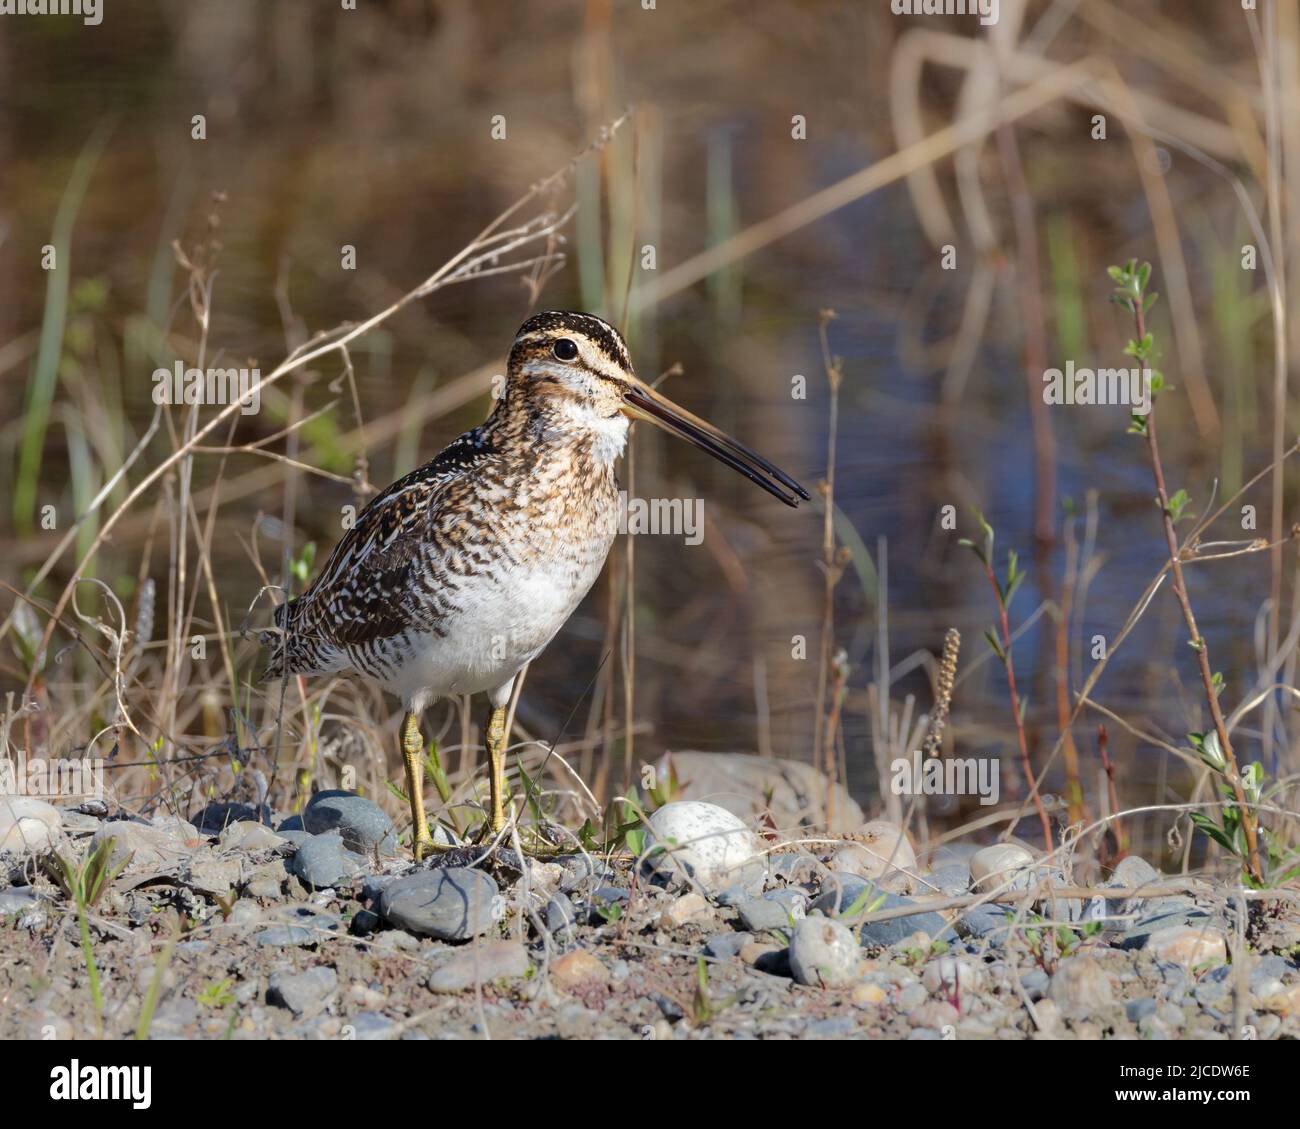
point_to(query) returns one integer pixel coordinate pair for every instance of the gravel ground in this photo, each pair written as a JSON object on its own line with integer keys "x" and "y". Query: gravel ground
{"x": 324, "y": 928}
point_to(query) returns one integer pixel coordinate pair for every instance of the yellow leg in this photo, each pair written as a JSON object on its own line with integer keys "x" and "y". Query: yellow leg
{"x": 413, "y": 755}
{"x": 496, "y": 746}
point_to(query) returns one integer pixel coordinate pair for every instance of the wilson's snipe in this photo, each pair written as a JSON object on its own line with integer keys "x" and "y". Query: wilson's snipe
{"x": 460, "y": 573}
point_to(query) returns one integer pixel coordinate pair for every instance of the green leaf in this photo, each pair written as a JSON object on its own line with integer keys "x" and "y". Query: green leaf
{"x": 1212, "y": 829}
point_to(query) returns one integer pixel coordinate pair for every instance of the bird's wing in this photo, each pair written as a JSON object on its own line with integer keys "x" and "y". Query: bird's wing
{"x": 361, "y": 593}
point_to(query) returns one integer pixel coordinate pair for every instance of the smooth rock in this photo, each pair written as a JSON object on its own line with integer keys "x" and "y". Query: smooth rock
{"x": 846, "y": 892}
{"x": 303, "y": 993}
{"x": 246, "y": 836}
{"x": 705, "y": 844}
{"x": 824, "y": 953}
{"x": 690, "y": 908}
{"x": 481, "y": 963}
{"x": 791, "y": 792}
{"x": 1002, "y": 865}
{"x": 561, "y": 918}
{"x": 161, "y": 844}
{"x": 1189, "y": 946}
{"x": 362, "y": 823}
{"x": 219, "y": 816}
{"x": 952, "y": 880}
{"x": 725, "y": 946}
{"x": 28, "y": 825}
{"x": 759, "y": 915}
{"x": 212, "y": 875}
{"x": 18, "y": 899}
{"x": 453, "y": 904}
{"x": 576, "y": 969}
{"x": 372, "y": 1026}
{"x": 885, "y": 851}
{"x": 324, "y": 862}
{"x": 1081, "y": 987}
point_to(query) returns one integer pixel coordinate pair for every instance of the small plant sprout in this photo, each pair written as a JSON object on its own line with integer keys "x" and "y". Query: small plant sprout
{"x": 999, "y": 638}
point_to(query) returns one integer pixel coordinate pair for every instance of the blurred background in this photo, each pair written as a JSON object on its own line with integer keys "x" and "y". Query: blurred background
{"x": 774, "y": 157}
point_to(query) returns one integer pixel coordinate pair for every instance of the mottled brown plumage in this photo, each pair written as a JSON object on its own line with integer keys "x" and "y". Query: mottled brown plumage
{"x": 460, "y": 573}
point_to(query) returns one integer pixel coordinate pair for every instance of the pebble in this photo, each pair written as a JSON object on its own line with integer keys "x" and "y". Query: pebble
{"x": 303, "y": 993}
{"x": 831, "y": 1028}
{"x": 951, "y": 880}
{"x": 1002, "y": 865}
{"x": 371, "y": 1025}
{"x": 725, "y": 946}
{"x": 209, "y": 874}
{"x": 759, "y": 915}
{"x": 18, "y": 899}
{"x": 452, "y": 904}
{"x": 362, "y": 823}
{"x": 1189, "y": 946}
{"x": 1035, "y": 982}
{"x": 561, "y": 917}
{"x": 824, "y": 953}
{"x": 868, "y": 995}
{"x": 162, "y": 843}
{"x": 886, "y": 851}
{"x": 28, "y": 825}
{"x": 1138, "y": 1010}
{"x": 219, "y": 816}
{"x": 705, "y": 844}
{"x": 934, "y": 1015}
{"x": 480, "y": 964}
{"x": 245, "y": 836}
{"x": 984, "y": 923}
{"x": 691, "y": 908}
{"x": 1081, "y": 987}
{"x": 324, "y": 862}
{"x": 575, "y": 969}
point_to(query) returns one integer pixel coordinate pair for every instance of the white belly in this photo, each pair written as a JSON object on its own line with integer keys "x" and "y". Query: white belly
{"x": 502, "y": 625}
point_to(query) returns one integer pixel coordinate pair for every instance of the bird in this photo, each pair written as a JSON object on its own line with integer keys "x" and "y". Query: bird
{"x": 459, "y": 574}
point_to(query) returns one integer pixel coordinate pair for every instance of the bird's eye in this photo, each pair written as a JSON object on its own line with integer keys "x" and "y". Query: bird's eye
{"x": 565, "y": 349}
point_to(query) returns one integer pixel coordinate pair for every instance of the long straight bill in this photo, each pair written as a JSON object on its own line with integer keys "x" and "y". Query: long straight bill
{"x": 644, "y": 403}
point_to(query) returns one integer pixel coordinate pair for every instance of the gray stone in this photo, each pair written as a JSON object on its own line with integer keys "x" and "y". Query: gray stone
{"x": 18, "y": 899}
{"x": 1137, "y": 934}
{"x": 1035, "y": 983}
{"x": 846, "y": 891}
{"x": 217, "y": 816}
{"x": 831, "y": 1028}
{"x": 758, "y": 915}
{"x": 324, "y": 862}
{"x": 290, "y": 823}
{"x": 984, "y": 923}
{"x": 371, "y": 1025}
{"x": 1138, "y": 1010}
{"x": 362, "y": 823}
{"x": 364, "y": 922}
{"x": 1081, "y": 987}
{"x": 453, "y": 904}
{"x": 952, "y": 880}
{"x": 283, "y": 935}
{"x": 824, "y": 953}
{"x": 247, "y": 836}
{"x": 726, "y": 946}
{"x": 481, "y": 964}
{"x": 561, "y": 917}
{"x": 303, "y": 993}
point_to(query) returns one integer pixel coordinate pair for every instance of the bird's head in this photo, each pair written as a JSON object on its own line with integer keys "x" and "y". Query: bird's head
{"x": 579, "y": 364}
